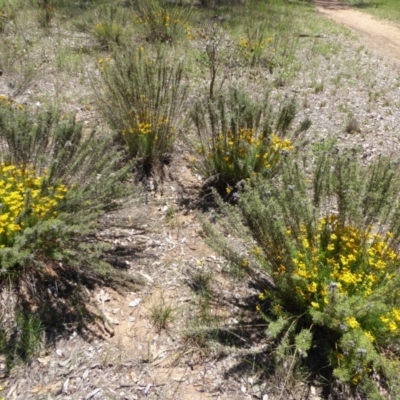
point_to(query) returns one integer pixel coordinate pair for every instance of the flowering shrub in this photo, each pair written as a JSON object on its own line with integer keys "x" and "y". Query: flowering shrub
{"x": 108, "y": 32}
{"x": 240, "y": 139}
{"x": 336, "y": 275}
{"x": 147, "y": 134}
{"x": 252, "y": 49}
{"x": 246, "y": 154}
{"x": 55, "y": 183}
{"x": 6, "y": 101}
{"x": 359, "y": 262}
{"x": 23, "y": 202}
{"x": 142, "y": 97}
{"x": 163, "y": 22}
{"x": 253, "y": 44}
{"x": 108, "y": 23}
{"x": 328, "y": 243}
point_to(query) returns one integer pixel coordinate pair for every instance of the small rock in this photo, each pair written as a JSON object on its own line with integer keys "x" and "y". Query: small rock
{"x": 92, "y": 393}
{"x": 313, "y": 390}
{"x": 135, "y": 303}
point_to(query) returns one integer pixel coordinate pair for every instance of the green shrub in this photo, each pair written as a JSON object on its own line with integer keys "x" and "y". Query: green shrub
{"x": 7, "y": 13}
{"x": 329, "y": 244}
{"x": 55, "y": 183}
{"x": 253, "y": 44}
{"x": 45, "y": 10}
{"x": 163, "y": 21}
{"x": 107, "y": 23}
{"x": 239, "y": 138}
{"x": 142, "y": 100}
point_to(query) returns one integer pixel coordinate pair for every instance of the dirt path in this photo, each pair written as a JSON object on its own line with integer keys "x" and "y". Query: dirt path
{"x": 382, "y": 37}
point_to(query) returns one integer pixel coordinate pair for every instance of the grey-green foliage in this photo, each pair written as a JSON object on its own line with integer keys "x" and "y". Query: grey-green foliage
{"x": 48, "y": 263}
{"x": 55, "y": 146}
{"x": 144, "y": 88}
{"x": 276, "y": 215}
{"x": 162, "y": 21}
{"x": 108, "y": 23}
{"x": 8, "y": 12}
{"x": 360, "y": 195}
{"x": 223, "y": 146}
{"x": 88, "y": 165}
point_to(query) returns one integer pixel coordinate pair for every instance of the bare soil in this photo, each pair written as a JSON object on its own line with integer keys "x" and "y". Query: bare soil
{"x": 382, "y": 37}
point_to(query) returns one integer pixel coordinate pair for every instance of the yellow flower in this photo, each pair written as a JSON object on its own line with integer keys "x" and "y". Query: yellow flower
{"x": 312, "y": 287}
{"x": 356, "y": 378}
{"x": 352, "y": 322}
{"x": 281, "y": 269}
{"x": 384, "y": 319}
{"x": 392, "y": 326}
{"x": 396, "y": 314}
{"x": 245, "y": 262}
{"x": 257, "y": 251}
{"x": 314, "y": 305}
{"x": 369, "y": 336}
{"x": 277, "y": 309}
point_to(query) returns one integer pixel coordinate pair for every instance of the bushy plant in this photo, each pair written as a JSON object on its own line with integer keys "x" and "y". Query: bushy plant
{"x": 107, "y": 23}
{"x": 45, "y": 11}
{"x": 329, "y": 244}
{"x": 7, "y": 13}
{"x": 239, "y": 138}
{"x": 142, "y": 99}
{"x": 253, "y": 44}
{"x": 163, "y": 21}
{"x": 55, "y": 183}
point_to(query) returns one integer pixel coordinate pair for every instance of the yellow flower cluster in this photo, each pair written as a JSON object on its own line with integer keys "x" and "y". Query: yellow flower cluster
{"x": 188, "y": 30}
{"x": 352, "y": 322}
{"x": 166, "y": 22}
{"x": 103, "y": 28}
{"x": 22, "y": 201}
{"x": 253, "y": 47}
{"x": 6, "y": 101}
{"x": 103, "y": 63}
{"x": 392, "y": 320}
{"x": 246, "y": 144}
{"x": 160, "y": 18}
{"x": 144, "y": 127}
{"x": 356, "y": 261}
{"x": 248, "y": 46}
